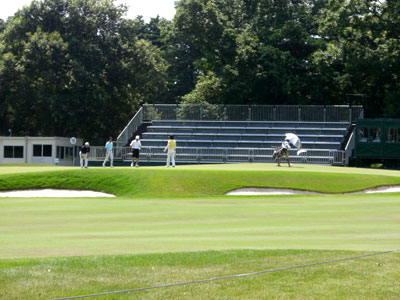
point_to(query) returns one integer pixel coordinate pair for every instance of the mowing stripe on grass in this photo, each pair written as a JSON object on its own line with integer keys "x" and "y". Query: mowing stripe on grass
{"x": 229, "y": 277}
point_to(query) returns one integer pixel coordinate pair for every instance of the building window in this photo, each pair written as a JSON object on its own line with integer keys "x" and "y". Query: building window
{"x": 393, "y": 135}
{"x": 18, "y": 152}
{"x": 13, "y": 151}
{"x": 37, "y": 150}
{"x": 42, "y": 150}
{"x": 68, "y": 153}
{"x": 60, "y": 152}
{"x": 369, "y": 135}
{"x": 8, "y": 151}
{"x": 47, "y": 150}
{"x": 64, "y": 152}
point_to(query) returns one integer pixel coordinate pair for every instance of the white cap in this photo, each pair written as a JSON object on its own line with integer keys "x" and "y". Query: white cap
{"x": 87, "y": 144}
{"x": 137, "y": 137}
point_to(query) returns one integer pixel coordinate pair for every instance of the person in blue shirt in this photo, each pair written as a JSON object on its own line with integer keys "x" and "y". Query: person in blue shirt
{"x": 109, "y": 153}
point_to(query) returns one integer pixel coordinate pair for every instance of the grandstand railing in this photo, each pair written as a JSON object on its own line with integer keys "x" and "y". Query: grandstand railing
{"x": 349, "y": 147}
{"x": 131, "y": 128}
{"x": 210, "y": 112}
{"x": 223, "y": 155}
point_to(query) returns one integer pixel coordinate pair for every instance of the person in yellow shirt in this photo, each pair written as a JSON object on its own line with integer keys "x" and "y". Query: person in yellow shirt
{"x": 171, "y": 147}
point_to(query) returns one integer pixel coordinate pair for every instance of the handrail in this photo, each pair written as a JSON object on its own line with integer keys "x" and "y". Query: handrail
{"x": 215, "y": 112}
{"x": 129, "y": 129}
{"x": 349, "y": 147}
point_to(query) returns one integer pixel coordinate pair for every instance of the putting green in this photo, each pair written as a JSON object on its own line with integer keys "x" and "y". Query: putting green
{"x": 197, "y": 181}
{"x": 23, "y": 168}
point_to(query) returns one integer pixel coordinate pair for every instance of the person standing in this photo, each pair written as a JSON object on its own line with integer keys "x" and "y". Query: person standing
{"x": 136, "y": 145}
{"x": 109, "y": 153}
{"x": 171, "y": 147}
{"x": 84, "y": 153}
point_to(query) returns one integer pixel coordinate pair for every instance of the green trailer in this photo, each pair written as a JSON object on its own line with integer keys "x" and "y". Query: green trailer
{"x": 377, "y": 142}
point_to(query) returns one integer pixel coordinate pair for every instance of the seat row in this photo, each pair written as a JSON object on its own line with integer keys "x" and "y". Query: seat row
{"x": 237, "y": 143}
{"x": 234, "y": 134}
{"x": 241, "y": 136}
{"x": 290, "y": 124}
{"x": 246, "y": 130}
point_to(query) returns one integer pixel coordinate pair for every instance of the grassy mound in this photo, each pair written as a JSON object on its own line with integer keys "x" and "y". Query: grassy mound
{"x": 194, "y": 181}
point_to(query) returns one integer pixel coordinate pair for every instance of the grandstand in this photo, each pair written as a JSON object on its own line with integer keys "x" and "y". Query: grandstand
{"x": 238, "y": 133}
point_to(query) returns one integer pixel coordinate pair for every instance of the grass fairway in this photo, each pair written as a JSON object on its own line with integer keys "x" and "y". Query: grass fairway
{"x": 175, "y": 225}
{"x": 68, "y": 227}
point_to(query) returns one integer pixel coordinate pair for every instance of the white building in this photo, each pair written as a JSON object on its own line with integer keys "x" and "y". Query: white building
{"x": 38, "y": 150}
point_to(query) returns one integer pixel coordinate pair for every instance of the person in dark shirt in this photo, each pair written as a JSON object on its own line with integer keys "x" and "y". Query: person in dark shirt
{"x": 84, "y": 153}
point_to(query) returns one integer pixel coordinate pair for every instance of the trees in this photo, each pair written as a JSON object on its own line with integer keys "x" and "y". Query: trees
{"x": 77, "y": 67}
{"x": 180, "y": 57}
{"x": 2, "y": 25}
{"x": 295, "y": 51}
{"x": 362, "y": 56}
{"x": 73, "y": 67}
{"x": 260, "y": 50}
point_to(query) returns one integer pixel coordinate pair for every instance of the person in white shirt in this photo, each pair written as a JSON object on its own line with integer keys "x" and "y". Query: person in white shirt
{"x": 171, "y": 147}
{"x": 109, "y": 153}
{"x": 136, "y": 145}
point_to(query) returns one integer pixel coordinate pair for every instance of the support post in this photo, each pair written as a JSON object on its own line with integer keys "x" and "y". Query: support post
{"x": 299, "y": 113}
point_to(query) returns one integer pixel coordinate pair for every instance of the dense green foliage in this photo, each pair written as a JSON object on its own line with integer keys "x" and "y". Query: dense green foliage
{"x": 295, "y": 52}
{"x": 74, "y": 68}
{"x": 68, "y": 62}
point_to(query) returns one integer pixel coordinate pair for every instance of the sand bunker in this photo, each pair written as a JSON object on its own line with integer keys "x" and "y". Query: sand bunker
{"x": 51, "y": 193}
{"x": 273, "y": 191}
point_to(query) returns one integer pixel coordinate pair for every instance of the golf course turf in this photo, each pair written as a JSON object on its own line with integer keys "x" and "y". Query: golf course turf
{"x": 175, "y": 225}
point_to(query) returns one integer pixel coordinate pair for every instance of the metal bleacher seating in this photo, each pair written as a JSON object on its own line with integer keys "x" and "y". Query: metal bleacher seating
{"x": 231, "y": 141}
{"x": 237, "y": 137}
{"x": 245, "y": 134}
